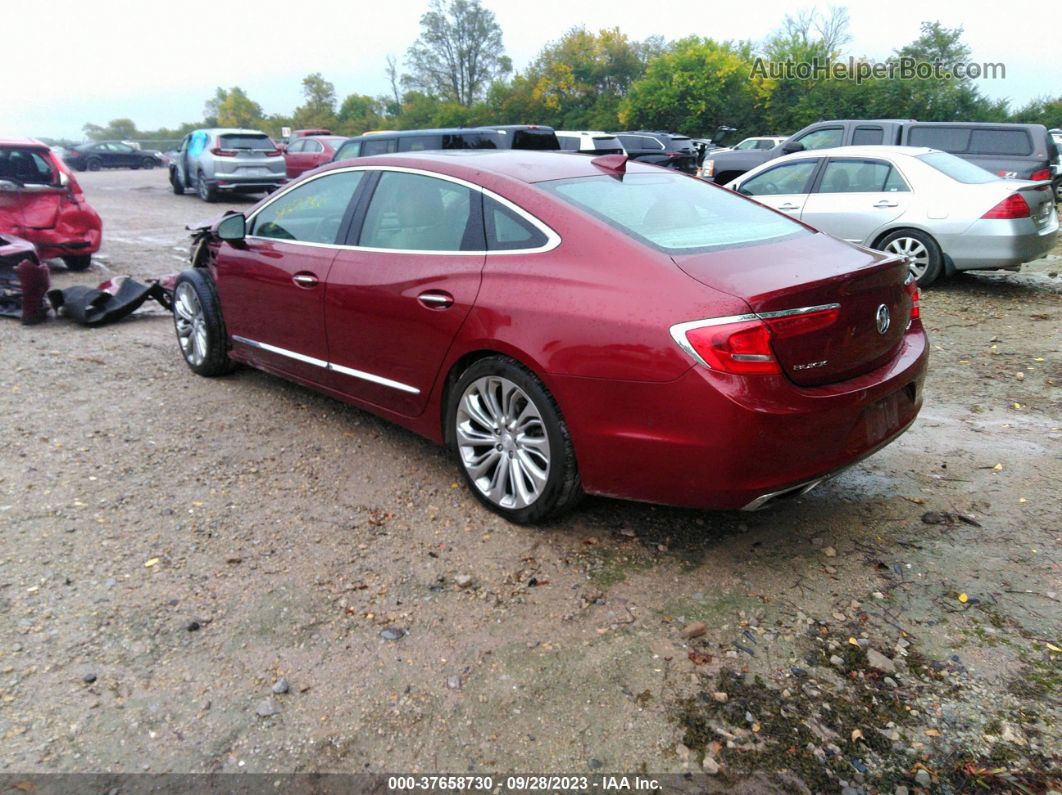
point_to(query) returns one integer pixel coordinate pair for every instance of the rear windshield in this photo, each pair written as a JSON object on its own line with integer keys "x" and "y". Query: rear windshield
{"x": 535, "y": 139}
{"x": 958, "y": 169}
{"x": 246, "y": 142}
{"x": 26, "y": 167}
{"x": 680, "y": 143}
{"x": 675, "y": 213}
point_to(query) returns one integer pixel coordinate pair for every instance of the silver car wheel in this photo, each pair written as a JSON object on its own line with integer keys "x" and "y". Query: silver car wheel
{"x": 503, "y": 442}
{"x": 202, "y": 189}
{"x": 914, "y": 250}
{"x": 191, "y": 324}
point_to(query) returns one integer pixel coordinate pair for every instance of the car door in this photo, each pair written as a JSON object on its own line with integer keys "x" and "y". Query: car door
{"x": 853, "y": 197}
{"x": 272, "y": 283}
{"x": 784, "y": 186}
{"x": 294, "y": 157}
{"x": 397, "y": 296}
{"x": 124, "y": 155}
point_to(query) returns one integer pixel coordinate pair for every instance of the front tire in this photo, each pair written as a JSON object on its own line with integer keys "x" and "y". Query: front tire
{"x": 94, "y": 164}
{"x": 148, "y": 162}
{"x": 927, "y": 261}
{"x": 199, "y": 325}
{"x": 81, "y": 262}
{"x": 175, "y": 182}
{"x": 205, "y": 190}
{"x": 511, "y": 442}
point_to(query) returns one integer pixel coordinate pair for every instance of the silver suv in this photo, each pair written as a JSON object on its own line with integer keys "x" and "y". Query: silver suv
{"x": 227, "y": 160}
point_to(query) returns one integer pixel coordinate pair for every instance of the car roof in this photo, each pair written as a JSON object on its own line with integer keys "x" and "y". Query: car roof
{"x": 22, "y": 142}
{"x": 433, "y": 131}
{"x": 522, "y": 165}
{"x": 864, "y": 151}
{"x": 584, "y": 132}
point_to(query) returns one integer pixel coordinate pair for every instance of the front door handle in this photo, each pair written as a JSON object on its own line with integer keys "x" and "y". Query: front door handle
{"x": 306, "y": 280}
{"x": 884, "y": 203}
{"x": 436, "y": 299}
{"x": 788, "y": 206}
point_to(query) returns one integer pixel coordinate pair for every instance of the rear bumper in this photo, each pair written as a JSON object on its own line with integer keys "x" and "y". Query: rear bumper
{"x": 711, "y": 440}
{"x": 238, "y": 182}
{"x": 989, "y": 244}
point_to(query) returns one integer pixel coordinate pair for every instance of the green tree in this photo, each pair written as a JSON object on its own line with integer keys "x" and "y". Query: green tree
{"x": 1042, "y": 110}
{"x": 359, "y": 113}
{"x": 695, "y": 87}
{"x": 458, "y": 53}
{"x": 116, "y": 129}
{"x": 319, "y": 110}
{"x": 233, "y": 108}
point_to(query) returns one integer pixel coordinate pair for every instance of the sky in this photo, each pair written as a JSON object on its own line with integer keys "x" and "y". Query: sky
{"x": 93, "y": 62}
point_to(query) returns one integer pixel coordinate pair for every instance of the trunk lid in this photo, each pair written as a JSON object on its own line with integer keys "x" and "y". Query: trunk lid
{"x": 816, "y": 271}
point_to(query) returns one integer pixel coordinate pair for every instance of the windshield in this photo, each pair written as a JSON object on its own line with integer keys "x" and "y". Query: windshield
{"x": 675, "y": 213}
{"x": 261, "y": 142}
{"x": 958, "y": 169}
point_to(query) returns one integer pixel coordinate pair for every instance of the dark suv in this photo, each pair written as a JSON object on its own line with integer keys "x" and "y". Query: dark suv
{"x": 1015, "y": 151}
{"x": 660, "y": 148}
{"x": 503, "y": 137}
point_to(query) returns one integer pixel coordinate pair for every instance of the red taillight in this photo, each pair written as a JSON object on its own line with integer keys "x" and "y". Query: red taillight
{"x": 1014, "y": 206}
{"x": 916, "y": 301}
{"x": 742, "y": 348}
{"x": 217, "y": 150}
{"x": 274, "y": 153}
{"x": 1042, "y": 174}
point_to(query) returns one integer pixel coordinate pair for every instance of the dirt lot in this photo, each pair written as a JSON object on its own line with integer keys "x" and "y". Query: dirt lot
{"x": 173, "y": 546}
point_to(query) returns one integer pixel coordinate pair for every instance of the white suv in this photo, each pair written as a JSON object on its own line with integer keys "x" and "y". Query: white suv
{"x": 592, "y": 142}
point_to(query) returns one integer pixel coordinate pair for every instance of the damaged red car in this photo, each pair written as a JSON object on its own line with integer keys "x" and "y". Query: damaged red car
{"x": 566, "y": 325}
{"x": 42, "y": 202}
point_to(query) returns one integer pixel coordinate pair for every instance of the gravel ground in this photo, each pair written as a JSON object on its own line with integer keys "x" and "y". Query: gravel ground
{"x": 174, "y": 547}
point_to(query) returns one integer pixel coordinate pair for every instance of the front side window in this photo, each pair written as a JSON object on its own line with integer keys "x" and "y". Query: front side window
{"x": 765, "y": 144}
{"x": 378, "y": 146}
{"x": 349, "y": 149}
{"x": 855, "y": 176}
{"x": 311, "y": 213}
{"x": 413, "y": 212}
{"x": 781, "y": 180}
{"x": 674, "y": 213}
{"x": 826, "y": 138}
{"x": 296, "y": 146}
{"x": 748, "y": 143}
{"x": 26, "y": 167}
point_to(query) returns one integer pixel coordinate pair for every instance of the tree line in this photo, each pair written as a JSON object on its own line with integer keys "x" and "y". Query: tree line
{"x": 457, "y": 74}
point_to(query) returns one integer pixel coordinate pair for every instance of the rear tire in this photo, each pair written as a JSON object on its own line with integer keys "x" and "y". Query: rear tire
{"x": 81, "y": 262}
{"x": 148, "y": 163}
{"x": 508, "y": 436}
{"x": 94, "y": 164}
{"x": 927, "y": 261}
{"x": 199, "y": 325}
{"x": 205, "y": 190}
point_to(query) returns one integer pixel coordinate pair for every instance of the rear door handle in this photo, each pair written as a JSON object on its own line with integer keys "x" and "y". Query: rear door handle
{"x": 436, "y": 299}
{"x": 306, "y": 280}
{"x": 788, "y": 207}
{"x": 884, "y": 203}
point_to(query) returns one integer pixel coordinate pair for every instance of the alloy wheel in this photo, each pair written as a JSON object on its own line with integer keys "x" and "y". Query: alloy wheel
{"x": 914, "y": 250}
{"x": 502, "y": 442}
{"x": 191, "y": 324}
{"x": 202, "y": 188}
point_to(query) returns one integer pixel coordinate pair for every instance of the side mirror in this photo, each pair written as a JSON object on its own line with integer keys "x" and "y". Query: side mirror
{"x": 792, "y": 146}
{"x": 232, "y": 227}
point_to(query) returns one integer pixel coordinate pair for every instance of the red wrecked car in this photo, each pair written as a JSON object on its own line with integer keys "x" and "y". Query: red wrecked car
{"x": 568, "y": 325}
{"x": 42, "y": 202}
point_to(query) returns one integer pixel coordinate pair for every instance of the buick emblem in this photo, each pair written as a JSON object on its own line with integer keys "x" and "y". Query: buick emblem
{"x": 883, "y": 319}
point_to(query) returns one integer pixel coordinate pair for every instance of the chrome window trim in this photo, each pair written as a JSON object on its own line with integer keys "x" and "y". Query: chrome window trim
{"x": 338, "y": 368}
{"x": 678, "y": 331}
{"x": 552, "y": 238}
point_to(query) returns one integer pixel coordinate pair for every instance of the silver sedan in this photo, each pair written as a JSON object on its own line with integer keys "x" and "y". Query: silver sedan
{"x": 943, "y": 212}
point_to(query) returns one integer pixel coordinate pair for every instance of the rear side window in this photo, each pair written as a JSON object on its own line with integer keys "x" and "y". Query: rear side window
{"x": 507, "y": 231}
{"x": 469, "y": 141}
{"x": 378, "y": 146}
{"x": 855, "y": 176}
{"x": 568, "y": 143}
{"x": 413, "y": 212}
{"x": 1000, "y": 142}
{"x": 947, "y": 139}
{"x": 958, "y": 169}
{"x": 674, "y": 213}
{"x": 311, "y": 213}
{"x": 867, "y": 136}
{"x": 680, "y": 144}
{"x": 419, "y": 143}
{"x": 254, "y": 142}
{"x": 26, "y": 167}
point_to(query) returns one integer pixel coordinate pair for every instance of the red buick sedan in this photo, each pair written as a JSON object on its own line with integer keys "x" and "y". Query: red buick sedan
{"x": 41, "y": 201}
{"x": 567, "y": 325}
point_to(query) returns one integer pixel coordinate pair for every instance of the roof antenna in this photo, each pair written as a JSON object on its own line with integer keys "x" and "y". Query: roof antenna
{"x": 615, "y": 165}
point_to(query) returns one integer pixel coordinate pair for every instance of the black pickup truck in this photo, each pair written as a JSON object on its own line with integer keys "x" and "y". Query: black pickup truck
{"x": 1016, "y": 151}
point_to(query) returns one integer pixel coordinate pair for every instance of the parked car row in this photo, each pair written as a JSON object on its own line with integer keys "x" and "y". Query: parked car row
{"x": 111, "y": 154}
